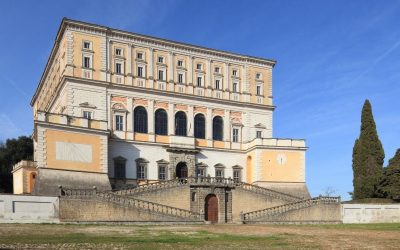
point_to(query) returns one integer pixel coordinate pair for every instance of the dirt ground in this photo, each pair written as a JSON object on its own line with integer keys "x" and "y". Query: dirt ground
{"x": 74, "y": 236}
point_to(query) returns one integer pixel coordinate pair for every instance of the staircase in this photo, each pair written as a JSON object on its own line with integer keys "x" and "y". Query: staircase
{"x": 269, "y": 213}
{"x": 268, "y": 192}
{"x": 131, "y": 202}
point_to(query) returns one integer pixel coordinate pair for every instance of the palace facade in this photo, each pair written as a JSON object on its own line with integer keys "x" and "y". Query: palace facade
{"x": 116, "y": 109}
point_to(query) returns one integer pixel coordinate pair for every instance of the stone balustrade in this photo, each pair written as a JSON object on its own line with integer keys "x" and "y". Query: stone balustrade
{"x": 71, "y": 120}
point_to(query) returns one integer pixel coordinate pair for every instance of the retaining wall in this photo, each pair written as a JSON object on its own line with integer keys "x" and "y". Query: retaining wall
{"x": 370, "y": 213}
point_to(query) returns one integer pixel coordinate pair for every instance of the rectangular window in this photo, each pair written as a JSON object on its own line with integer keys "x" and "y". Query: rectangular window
{"x": 119, "y": 123}
{"x": 234, "y": 72}
{"x": 161, "y": 173}
{"x": 139, "y": 56}
{"x": 140, "y": 71}
{"x": 161, "y": 75}
{"x": 86, "y": 62}
{"x": 235, "y": 135}
{"x": 201, "y": 172}
{"x": 141, "y": 172}
{"x": 87, "y": 115}
{"x": 216, "y": 69}
{"x": 118, "y": 52}
{"x": 217, "y": 84}
{"x": 236, "y": 176}
{"x": 235, "y": 87}
{"x": 180, "y": 63}
{"x": 199, "y": 81}
{"x": 219, "y": 173}
{"x": 258, "y": 76}
{"x": 258, "y": 134}
{"x": 161, "y": 59}
{"x": 258, "y": 90}
{"x": 199, "y": 66}
{"x": 86, "y": 45}
{"x": 118, "y": 68}
{"x": 180, "y": 78}
{"x": 119, "y": 169}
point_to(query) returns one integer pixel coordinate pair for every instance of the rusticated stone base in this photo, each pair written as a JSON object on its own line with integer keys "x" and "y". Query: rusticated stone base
{"x": 49, "y": 180}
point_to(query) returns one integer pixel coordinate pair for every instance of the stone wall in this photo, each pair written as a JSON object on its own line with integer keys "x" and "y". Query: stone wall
{"x": 370, "y": 213}
{"x": 247, "y": 201}
{"x": 96, "y": 210}
{"x": 173, "y": 196}
{"x": 28, "y": 209}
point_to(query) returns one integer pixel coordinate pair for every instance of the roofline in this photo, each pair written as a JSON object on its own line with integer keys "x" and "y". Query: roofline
{"x": 65, "y": 21}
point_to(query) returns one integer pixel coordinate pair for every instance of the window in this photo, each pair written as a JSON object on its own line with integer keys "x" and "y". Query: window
{"x": 161, "y": 122}
{"x": 140, "y": 120}
{"x": 199, "y": 84}
{"x": 217, "y": 70}
{"x": 217, "y": 84}
{"x": 180, "y": 78}
{"x": 258, "y": 134}
{"x": 139, "y": 56}
{"x": 87, "y": 115}
{"x": 119, "y": 123}
{"x": 235, "y": 135}
{"x": 120, "y": 168}
{"x": 258, "y": 76}
{"x": 234, "y": 72}
{"x": 140, "y": 71}
{"x": 219, "y": 173}
{"x": 199, "y": 66}
{"x": 118, "y": 68}
{"x": 201, "y": 172}
{"x": 141, "y": 168}
{"x": 200, "y": 126}
{"x": 141, "y": 171}
{"x": 180, "y": 63}
{"x": 86, "y": 62}
{"x": 118, "y": 52}
{"x": 162, "y": 172}
{"x": 236, "y": 175}
{"x": 161, "y": 59}
{"x": 180, "y": 123}
{"x": 218, "y": 125}
{"x": 235, "y": 87}
{"x": 161, "y": 75}
{"x": 258, "y": 90}
{"x": 86, "y": 44}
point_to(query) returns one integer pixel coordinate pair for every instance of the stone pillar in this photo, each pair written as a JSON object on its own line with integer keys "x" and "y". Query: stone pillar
{"x": 171, "y": 119}
{"x": 209, "y": 124}
{"x": 190, "y": 121}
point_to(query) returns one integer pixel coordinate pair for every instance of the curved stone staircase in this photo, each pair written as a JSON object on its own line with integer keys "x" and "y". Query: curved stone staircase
{"x": 268, "y": 214}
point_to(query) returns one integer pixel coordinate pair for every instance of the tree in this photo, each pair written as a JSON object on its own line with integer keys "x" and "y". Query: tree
{"x": 368, "y": 157}
{"x": 13, "y": 151}
{"x": 390, "y": 183}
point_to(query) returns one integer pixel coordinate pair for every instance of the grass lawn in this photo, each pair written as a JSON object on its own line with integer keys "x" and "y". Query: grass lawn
{"x": 74, "y": 236}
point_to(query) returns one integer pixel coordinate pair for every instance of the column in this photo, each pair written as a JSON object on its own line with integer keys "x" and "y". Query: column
{"x": 190, "y": 121}
{"x": 171, "y": 119}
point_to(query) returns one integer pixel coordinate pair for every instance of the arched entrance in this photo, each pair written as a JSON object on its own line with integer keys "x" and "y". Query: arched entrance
{"x": 211, "y": 208}
{"x": 181, "y": 170}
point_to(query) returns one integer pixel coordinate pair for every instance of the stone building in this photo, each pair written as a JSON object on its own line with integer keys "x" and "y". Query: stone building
{"x": 116, "y": 109}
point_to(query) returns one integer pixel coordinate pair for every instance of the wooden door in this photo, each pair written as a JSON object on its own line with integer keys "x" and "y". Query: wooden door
{"x": 211, "y": 208}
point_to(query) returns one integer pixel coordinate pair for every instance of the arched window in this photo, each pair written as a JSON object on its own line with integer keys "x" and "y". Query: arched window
{"x": 200, "y": 126}
{"x": 218, "y": 125}
{"x": 140, "y": 119}
{"x": 161, "y": 122}
{"x": 180, "y": 123}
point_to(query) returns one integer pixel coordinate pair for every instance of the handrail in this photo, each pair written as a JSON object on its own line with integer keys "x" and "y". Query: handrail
{"x": 131, "y": 202}
{"x": 289, "y": 207}
{"x": 269, "y": 192}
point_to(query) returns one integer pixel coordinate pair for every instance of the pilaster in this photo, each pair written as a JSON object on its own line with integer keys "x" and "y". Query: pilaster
{"x": 171, "y": 118}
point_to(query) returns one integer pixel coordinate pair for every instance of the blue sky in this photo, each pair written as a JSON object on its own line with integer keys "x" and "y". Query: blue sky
{"x": 331, "y": 55}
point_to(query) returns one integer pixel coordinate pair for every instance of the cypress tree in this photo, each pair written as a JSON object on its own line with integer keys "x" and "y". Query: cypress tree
{"x": 390, "y": 184}
{"x": 368, "y": 156}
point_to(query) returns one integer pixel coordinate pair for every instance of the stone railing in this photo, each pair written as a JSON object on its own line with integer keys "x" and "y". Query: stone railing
{"x": 71, "y": 120}
{"x": 268, "y": 192}
{"x": 194, "y": 181}
{"x": 273, "y": 211}
{"x": 151, "y": 207}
